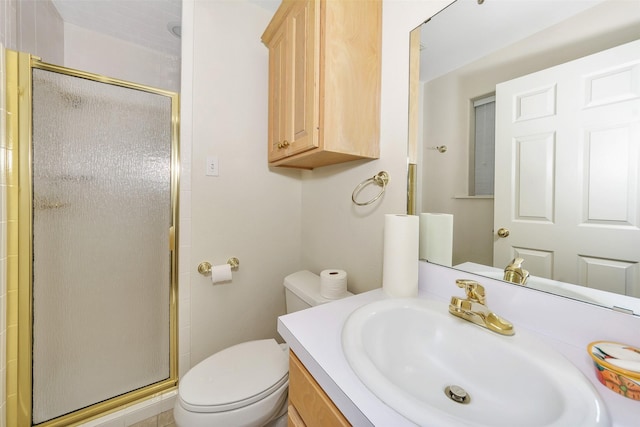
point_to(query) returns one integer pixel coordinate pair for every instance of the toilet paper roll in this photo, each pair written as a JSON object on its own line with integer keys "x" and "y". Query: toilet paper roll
{"x": 436, "y": 238}
{"x": 400, "y": 259}
{"x": 220, "y": 273}
{"x": 333, "y": 283}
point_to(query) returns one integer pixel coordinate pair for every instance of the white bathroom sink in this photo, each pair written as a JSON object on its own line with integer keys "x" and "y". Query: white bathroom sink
{"x": 408, "y": 351}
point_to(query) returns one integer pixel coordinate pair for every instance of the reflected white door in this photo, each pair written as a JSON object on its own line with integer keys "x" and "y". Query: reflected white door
{"x": 567, "y": 181}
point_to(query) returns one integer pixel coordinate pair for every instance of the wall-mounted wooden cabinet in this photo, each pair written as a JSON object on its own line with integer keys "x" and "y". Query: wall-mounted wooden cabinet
{"x": 324, "y": 82}
{"x": 309, "y": 405}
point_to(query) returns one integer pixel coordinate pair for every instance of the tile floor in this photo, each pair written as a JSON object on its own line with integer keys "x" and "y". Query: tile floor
{"x": 165, "y": 419}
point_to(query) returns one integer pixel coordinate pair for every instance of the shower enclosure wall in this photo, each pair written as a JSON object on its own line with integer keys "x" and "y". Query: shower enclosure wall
{"x": 97, "y": 216}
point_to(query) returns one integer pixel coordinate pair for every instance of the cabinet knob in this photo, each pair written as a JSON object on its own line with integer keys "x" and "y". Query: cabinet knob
{"x": 283, "y": 144}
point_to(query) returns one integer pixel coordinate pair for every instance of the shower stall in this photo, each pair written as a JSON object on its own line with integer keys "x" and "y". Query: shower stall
{"x": 97, "y": 170}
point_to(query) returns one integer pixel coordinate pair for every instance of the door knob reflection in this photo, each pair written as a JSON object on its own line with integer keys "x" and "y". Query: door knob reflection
{"x": 503, "y": 232}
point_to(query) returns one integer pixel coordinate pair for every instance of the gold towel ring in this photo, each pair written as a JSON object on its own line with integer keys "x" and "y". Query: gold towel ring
{"x": 381, "y": 179}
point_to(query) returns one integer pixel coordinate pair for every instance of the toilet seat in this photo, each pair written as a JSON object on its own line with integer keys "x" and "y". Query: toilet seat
{"x": 235, "y": 377}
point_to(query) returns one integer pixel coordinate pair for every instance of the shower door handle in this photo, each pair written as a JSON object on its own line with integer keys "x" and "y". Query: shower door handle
{"x": 172, "y": 238}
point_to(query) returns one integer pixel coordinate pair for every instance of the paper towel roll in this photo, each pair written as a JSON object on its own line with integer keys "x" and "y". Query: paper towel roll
{"x": 400, "y": 263}
{"x": 220, "y": 273}
{"x": 436, "y": 238}
{"x": 333, "y": 283}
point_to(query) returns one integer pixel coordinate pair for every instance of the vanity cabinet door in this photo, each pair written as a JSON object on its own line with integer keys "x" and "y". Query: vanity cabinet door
{"x": 293, "y": 417}
{"x": 308, "y": 403}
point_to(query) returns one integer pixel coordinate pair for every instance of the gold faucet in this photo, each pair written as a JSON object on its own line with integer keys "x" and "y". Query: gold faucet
{"x": 514, "y": 272}
{"x": 474, "y": 309}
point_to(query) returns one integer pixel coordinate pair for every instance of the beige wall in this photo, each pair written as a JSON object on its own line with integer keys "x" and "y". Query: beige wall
{"x": 335, "y": 232}
{"x": 275, "y": 220}
{"x": 249, "y": 211}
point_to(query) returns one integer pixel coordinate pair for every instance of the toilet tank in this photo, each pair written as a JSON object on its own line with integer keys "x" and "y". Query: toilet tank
{"x": 302, "y": 290}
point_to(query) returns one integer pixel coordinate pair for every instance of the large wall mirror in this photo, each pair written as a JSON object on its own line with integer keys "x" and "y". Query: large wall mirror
{"x": 525, "y": 129}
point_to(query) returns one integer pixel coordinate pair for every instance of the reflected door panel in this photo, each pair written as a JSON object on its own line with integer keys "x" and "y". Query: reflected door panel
{"x": 568, "y": 137}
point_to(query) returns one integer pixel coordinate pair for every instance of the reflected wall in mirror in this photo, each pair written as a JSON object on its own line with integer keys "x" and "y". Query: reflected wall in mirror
{"x": 538, "y": 106}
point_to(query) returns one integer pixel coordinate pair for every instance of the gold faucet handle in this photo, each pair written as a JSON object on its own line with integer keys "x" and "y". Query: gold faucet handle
{"x": 473, "y": 289}
{"x": 517, "y": 262}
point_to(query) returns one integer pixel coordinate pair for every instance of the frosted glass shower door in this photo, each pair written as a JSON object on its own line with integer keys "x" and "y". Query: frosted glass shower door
{"x": 102, "y": 266}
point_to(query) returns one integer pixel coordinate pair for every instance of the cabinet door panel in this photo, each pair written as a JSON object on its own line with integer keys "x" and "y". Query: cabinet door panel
{"x": 278, "y": 60}
{"x": 293, "y": 418}
{"x": 304, "y": 81}
{"x": 309, "y": 399}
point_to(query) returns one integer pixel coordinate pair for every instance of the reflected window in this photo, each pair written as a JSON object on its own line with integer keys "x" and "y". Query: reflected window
{"x": 483, "y": 146}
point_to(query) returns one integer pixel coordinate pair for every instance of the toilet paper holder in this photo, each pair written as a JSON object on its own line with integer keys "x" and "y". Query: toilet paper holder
{"x": 204, "y": 267}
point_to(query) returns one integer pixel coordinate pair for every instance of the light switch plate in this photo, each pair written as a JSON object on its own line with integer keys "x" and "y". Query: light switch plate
{"x": 212, "y": 167}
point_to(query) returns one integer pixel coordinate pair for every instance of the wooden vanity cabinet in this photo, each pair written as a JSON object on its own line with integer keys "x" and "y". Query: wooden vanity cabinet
{"x": 309, "y": 405}
{"x": 324, "y": 82}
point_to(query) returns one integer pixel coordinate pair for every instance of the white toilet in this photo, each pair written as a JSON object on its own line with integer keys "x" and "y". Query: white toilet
{"x": 245, "y": 385}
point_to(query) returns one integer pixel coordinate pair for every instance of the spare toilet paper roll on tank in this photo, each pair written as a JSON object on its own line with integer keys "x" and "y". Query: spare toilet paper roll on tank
{"x": 333, "y": 283}
{"x": 400, "y": 259}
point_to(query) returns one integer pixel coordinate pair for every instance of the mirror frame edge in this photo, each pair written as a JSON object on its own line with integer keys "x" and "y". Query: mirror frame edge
{"x": 412, "y": 149}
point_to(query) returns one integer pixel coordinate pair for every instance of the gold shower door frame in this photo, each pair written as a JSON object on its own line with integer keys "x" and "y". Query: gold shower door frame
{"x": 19, "y": 241}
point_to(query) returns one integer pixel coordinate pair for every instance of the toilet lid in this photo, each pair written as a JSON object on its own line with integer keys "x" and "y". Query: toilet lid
{"x": 235, "y": 377}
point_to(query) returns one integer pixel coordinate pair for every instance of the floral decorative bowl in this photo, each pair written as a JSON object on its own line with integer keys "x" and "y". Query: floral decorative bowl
{"x": 617, "y": 367}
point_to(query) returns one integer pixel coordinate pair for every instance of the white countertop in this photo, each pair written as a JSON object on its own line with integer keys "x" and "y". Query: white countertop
{"x": 315, "y": 336}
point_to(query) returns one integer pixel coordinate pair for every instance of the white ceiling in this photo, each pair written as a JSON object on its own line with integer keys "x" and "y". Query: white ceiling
{"x": 142, "y": 22}
{"x": 473, "y": 31}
